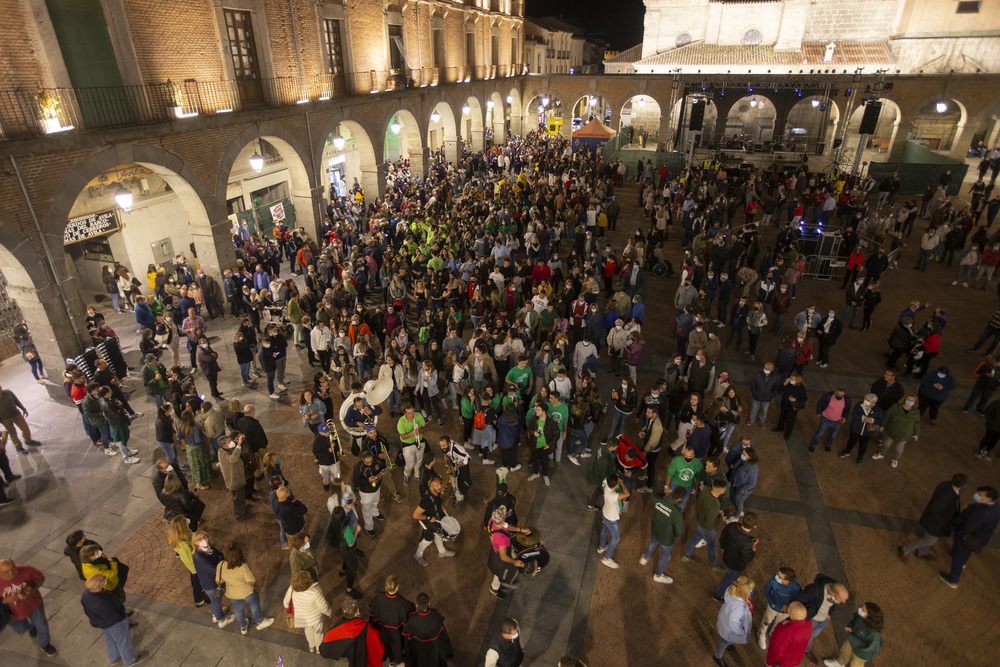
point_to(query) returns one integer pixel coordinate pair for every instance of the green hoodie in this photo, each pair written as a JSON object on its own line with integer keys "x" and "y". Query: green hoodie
{"x": 668, "y": 519}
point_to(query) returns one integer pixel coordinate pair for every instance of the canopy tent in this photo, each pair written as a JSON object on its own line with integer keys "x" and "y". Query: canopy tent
{"x": 593, "y": 134}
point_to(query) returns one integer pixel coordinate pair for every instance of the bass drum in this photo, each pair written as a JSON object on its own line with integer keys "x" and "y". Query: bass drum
{"x": 451, "y": 526}
{"x": 535, "y": 559}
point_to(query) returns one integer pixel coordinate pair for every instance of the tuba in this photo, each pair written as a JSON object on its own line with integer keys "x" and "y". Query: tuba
{"x": 334, "y": 436}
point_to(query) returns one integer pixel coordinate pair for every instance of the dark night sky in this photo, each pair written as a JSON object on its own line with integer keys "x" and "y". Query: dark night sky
{"x": 620, "y": 21}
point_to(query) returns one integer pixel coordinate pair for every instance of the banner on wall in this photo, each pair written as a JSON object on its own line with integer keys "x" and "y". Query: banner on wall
{"x": 89, "y": 226}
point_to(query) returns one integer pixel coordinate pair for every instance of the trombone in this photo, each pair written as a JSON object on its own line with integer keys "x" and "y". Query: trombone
{"x": 335, "y": 446}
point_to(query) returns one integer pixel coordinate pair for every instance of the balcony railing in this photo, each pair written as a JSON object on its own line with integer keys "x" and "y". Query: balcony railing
{"x": 26, "y": 113}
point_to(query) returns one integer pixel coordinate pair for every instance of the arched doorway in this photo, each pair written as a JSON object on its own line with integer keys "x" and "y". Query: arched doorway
{"x": 811, "y": 124}
{"x": 545, "y": 112}
{"x": 472, "y": 123}
{"x": 513, "y": 111}
{"x": 878, "y": 143}
{"x": 591, "y": 107}
{"x": 442, "y": 132}
{"x": 401, "y": 136}
{"x": 641, "y": 114}
{"x": 710, "y": 129}
{"x": 348, "y": 156}
{"x": 938, "y": 125}
{"x": 751, "y": 118}
{"x": 268, "y": 184}
{"x": 140, "y": 215}
{"x": 496, "y": 118}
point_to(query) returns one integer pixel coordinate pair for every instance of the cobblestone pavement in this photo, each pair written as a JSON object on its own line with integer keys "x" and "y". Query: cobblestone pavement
{"x": 817, "y": 513}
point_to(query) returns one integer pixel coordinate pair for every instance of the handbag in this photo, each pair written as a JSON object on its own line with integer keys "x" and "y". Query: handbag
{"x": 220, "y": 589}
{"x": 290, "y": 614}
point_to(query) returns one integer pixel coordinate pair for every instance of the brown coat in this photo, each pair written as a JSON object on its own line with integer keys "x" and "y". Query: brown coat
{"x": 231, "y": 467}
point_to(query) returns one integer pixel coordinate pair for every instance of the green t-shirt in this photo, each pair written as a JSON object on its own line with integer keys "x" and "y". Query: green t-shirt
{"x": 548, "y": 317}
{"x": 495, "y": 403}
{"x": 468, "y": 409}
{"x": 404, "y": 425}
{"x": 540, "y": 427}
{"x": 683, "y": 473}
{"x": 560, "y": 414}
{"x": 435, "y": 264}
{"x": 520, "y": 377}
{"x": 349, "y": 535}
{"x": 724, "y": 500}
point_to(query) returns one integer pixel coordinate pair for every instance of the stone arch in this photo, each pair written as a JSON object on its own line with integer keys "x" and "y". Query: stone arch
{"x": 359, "y": 154}
{"x": 713, "y": 124}
{"x": 644, "y": 110}
{"x": 609, "y": 100}
{"x": 408, "y": 144}
{"x": 514, "y": 111}
{"x": 444, "y": 133}
{"x": 813, "y": 120}
{"x": 928, "y": 123}
{"x": 886, "y": 130}
{"x": 749, "y": 117}
{"x": 473, "y": 124}
{"x": 295, "y": 157}
{"x": 496, "y": 116}
{"x": 556, "y": 108}
{"x": 57, "y": 327}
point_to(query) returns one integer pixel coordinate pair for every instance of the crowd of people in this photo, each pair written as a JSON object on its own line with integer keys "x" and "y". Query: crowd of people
{"x": 491, "y": 289}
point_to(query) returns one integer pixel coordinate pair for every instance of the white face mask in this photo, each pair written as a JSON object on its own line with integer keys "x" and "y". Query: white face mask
{"x": 862, "y": 613}
{"x": 624, "y": 387}
{"x": 98, "y": 554}
{"x": 784, "y": 289}
{"x": 767, "y": 372}
{"x": 169, "y": 469}
{"x": 305, "y": 547}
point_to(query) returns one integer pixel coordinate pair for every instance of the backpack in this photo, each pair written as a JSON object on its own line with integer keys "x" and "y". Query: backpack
{"x": 479, "y": 420}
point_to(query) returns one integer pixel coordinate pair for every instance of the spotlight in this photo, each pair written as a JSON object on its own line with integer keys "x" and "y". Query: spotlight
{"x": 489, "y": 104}
{"x": 941, "y": 107}
{"x": 815, "y": 103}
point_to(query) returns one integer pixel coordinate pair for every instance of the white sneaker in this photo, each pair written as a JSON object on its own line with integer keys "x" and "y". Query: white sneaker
{"x": 110, "y": 452}
{"x": 447, "y": 553}
{"x": 275, "y": 396}
{"x": 877, "y": 457}
{"x": 601, "y": 550}
{"x": 133, "y": 452}
{"x": 953, "y": 282}
{"x": 662, "y": 579}
{"x": 586, "y": 455}
{"x": 643, "y": 560}
{"x": 895, "y": 463}
{"x": 516, "y": 468}
{"x": 265, "y": 623}
{"x": 547, "y": 481}
{"x": 282, "y": 387}
{"x": 572, "y": 459}
{"x": 226, "y": 621}
{"x": 130, "y": 459}
{"x": 832, "y": 662}
{"x": 610, "y": 563}
{"x": 965, "y": 284}
{"x": 762, "y": 642}
{"x": 533, "y": 476}
{"x": 700, "y": 544}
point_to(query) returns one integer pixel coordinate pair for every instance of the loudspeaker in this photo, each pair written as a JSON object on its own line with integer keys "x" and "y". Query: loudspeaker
{"x": 697, "y": 115}
{"x": 870, "y": 119}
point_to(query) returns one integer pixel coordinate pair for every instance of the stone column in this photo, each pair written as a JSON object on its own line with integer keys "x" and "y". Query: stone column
{"x": 373, "y": 180}
{"x": 451, "y": 150}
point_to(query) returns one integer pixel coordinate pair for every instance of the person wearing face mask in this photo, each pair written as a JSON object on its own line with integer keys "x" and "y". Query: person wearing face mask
{"x": 902, "y": 423}
{"x": 300, "y": 558}
{"x": 864, "y": 638}
{"x": 935, "y": 388}
{"x": 763, "y": 387}
{"x": 616, "y": 339}
{"x": 793, "y": 399}
{"x": 987, "y": 266}
{"x": 866, "y": 420}
{"x": 854, "y": 264}
{"x": 208, "y": 364}
{"x": 803, "y": 348}
{"x": 807, "y": 322}
{"x": 179, "y": 538}
{"x": 967, "y": 264}
{"x": 505, "y": 649}
{"x": 697, "y": 339}
{"x": 781, "y": 301}
{"x": 232, "y": 465}
{"x": 937, "y": 518}
{"x": 820, "y": 598}
{"x": 827, "y": 334}
{"x": 973, "y": 529}
{"x": 854, "y": 296}
{"x": 206, "y": 560}
{"x": 94, "y": 561}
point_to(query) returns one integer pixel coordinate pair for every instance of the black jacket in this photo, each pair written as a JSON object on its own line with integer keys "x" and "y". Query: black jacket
{"x": 901, "y": 339}
{"x": 940, "y": 513}
{"x": 835, "y": 329}
{"x": 887, "y": 396}
{"x": 978, "y": 519}
{"x": 291, "y": 516}
{"x": 738, "y": 547}
{"x": 103, "y": 609}
{"x": 256, "y": 438}
{"x": 811, "y": 596}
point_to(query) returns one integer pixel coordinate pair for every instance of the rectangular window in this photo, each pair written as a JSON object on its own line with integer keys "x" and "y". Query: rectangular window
{"x": 494, "y": 50}
{"x": 515, "y": 57}
{"x": 242, "y": 47}
{"x": 968, "y": 7}
{"x": 334, "y": 48}
{"x": 470, "y": 50}
{"x": 438, "y": 49}
{"x": 396, "y": 59}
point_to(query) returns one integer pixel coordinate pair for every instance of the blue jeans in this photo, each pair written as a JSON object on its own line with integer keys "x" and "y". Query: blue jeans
{"x": 959, "y": 557}
{"x": 727, "y": 580}
{"x": 160, "y": 398}
{"x": 687, "y": 493}
{"x": 825, "y": 426}
{"x": 283, "y": 538}
{"x": 239, "y": 608}
{"x": 850, "y": 314}
{"x": 577, "y": 441}
{"x": 703, "y": 534}
{"x": 395, "y": 401}
{"x": 270, "y": 381}
{"x": 664, "y": 555}
{"x": 36, "y": 620}
{"x": 618, "y": 422}
{"x": 817, "y": 628}
{"x": 118, "y": 642}
{"x": 922, "y": 259}
{"x": 740, "y": 497}
{"x": 964, "y": 273}
{"x": 114, "y": 300}
{"x": 779, "y": 318}
{"x": 245, "y": 372}
{"x": 759, "y": 407}
{"x": 609, "y": 528}
{"x": 213, "y": 596}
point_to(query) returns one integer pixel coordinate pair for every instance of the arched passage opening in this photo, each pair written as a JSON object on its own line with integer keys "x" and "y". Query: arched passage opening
{"x": 401, "y": 136}
{"x": 496, "y": 119}
{"x": 442, "y": 132}
{"x": 640, "y": 118}
{"x": 710, "y": 126}
{"x": 472, "y": 123}
{"x": 751, "y": 119}
{"x": 544, "y": 112}
{"x": 811, "y": 123}
{"x": 591, "y": 107}
{"x": 512, "y": 109}
{"x": 938, "y": 124}
{"x": 267, "y": 185}
{"x": 140, "y": 216}
{"x": 348, "y": 158}
{"x": 878, "y": 143}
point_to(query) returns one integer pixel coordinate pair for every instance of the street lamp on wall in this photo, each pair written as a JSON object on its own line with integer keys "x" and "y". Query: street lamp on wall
{"x": 941, "y": 107}
{"x": 338, "y": 142}
{"x": 510, "y": 98}
{"x": 435, "y": 117}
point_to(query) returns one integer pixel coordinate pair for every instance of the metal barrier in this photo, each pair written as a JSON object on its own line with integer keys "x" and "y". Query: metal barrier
{"x": 824, "y": 267}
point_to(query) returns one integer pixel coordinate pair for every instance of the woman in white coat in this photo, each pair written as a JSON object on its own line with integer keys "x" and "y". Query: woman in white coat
{"x": 309, "y": 606}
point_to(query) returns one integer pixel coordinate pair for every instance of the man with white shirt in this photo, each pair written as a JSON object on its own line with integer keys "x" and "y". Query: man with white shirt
{"x": 319, "y": 339}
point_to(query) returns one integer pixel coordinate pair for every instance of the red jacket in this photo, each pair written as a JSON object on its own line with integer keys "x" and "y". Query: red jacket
{"x": 788, "y": 643}
{"x": 856, "y": 260}
{"x": 805, "y": 351}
